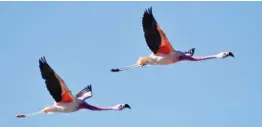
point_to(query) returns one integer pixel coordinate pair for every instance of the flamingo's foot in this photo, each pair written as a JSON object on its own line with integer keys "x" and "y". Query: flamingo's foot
{"x": 20, "y": 116}
{"x": 115, "y": 70}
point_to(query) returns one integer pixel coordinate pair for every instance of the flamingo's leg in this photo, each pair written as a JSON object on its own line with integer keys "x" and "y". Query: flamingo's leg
{"x": 126, "y": 67}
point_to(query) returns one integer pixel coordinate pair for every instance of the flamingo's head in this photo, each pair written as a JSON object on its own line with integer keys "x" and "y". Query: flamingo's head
{"x": 224, "y": 55}
{"x": 122, "y": 106}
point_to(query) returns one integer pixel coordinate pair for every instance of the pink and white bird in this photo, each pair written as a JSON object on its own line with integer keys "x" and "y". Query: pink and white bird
{"x": 64, "y": 100}
{"x": 163, "y": 52}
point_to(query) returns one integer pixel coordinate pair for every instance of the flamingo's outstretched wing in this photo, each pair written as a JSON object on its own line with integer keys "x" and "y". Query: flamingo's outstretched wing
{"x": 85, "y": 93}
{"x": 155, "y": 37}
{"x": 55, "y": 85}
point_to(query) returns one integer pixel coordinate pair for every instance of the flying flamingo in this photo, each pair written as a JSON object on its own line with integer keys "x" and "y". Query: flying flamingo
{"x": 163, "y": 52}
{"x": 64, "y": 100}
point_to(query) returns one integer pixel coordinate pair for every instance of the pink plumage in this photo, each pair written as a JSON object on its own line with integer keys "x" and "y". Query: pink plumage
{"x": 64, "y": 100}
{"x": 162, "y": 51}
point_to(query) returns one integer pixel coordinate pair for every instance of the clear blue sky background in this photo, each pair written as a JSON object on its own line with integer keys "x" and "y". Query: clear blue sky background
{"x": 82, "y": 41}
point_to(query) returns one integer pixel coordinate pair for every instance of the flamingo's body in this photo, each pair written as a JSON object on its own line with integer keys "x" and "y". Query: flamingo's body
{"x": 64, "y": 100}
{"x": 163, "y": 52}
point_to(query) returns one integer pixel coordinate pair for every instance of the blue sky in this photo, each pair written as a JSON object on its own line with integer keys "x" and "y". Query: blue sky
{"x": 82, "y": 41}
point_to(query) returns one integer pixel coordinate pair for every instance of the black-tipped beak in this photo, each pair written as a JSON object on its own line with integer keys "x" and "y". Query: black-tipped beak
{"x": 127, "y": 106}
{"x": 231, "y": 54}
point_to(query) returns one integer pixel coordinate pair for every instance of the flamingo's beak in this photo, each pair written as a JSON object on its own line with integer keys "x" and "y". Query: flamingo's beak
{"x": 127, "y": 106}
{"x": 231, "y": 54}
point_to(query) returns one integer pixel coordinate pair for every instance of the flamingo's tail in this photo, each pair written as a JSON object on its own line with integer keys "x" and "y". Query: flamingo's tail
{"x": 126, "y": 68}
{"x": 30, "y": 114}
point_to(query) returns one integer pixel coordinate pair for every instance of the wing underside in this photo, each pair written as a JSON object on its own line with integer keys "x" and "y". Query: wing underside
{"x": 85, "y": 93}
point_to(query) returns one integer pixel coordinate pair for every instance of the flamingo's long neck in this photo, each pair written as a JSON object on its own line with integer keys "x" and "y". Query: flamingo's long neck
{"x": 198, "y": 58}
{"x": 91, "y": 107}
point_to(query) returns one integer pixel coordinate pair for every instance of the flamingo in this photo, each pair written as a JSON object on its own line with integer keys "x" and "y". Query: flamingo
{"x": 163, "y": 52}
{"x": 64, "y": 100}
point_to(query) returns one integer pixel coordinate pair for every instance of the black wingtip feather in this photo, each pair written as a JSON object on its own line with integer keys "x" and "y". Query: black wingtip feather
{"x": 151, "y": 34}
{"x": 45, "y": 69}
{"x": 42, "y": 61}
{"x": 89, "y": 87}
{"x": 149, "y": 9}
{"x": 52, "y": 82}
{"x": 148, "y": 12}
